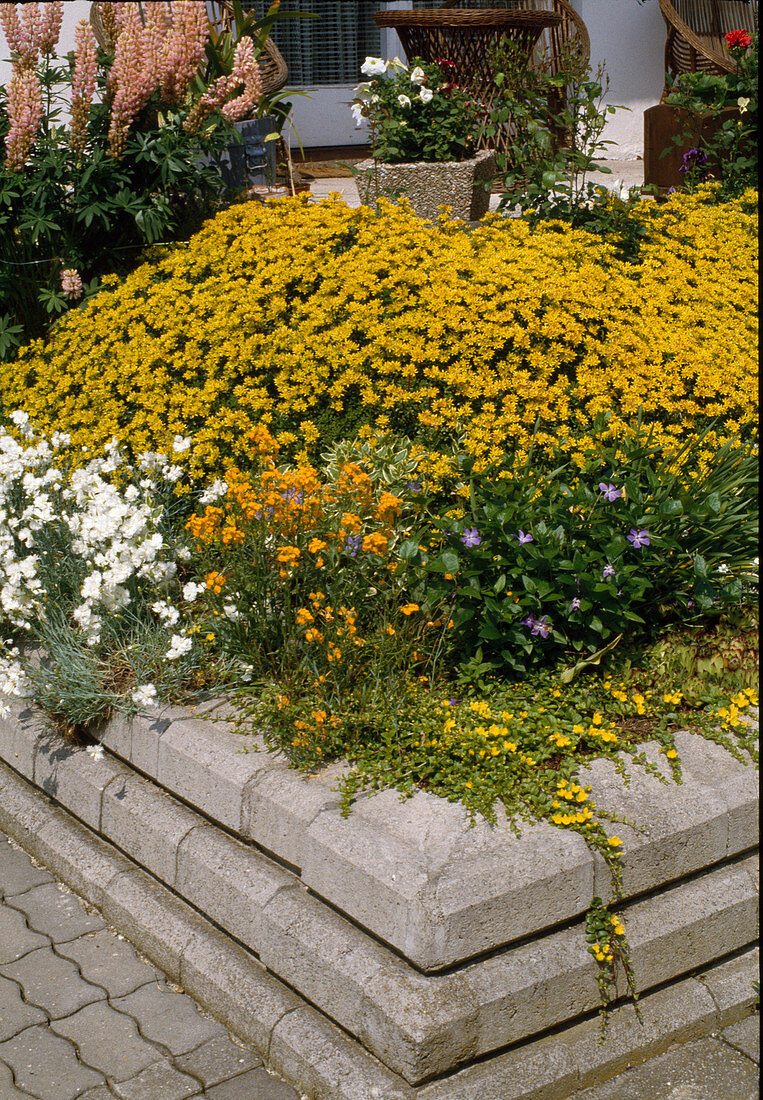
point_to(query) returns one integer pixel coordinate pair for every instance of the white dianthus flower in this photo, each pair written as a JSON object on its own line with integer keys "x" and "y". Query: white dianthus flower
{"x": 179, "y": 646}
{"x": 145, "y": 695}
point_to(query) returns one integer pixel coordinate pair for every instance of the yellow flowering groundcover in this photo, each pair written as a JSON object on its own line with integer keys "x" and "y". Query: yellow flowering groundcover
{"x": 320, "y": 320}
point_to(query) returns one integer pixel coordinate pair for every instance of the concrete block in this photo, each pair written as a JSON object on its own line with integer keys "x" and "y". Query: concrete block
{"x": 692, "y": 924}
{"x": 235, "y": 987}
{"x": 437, "y": 889}
{"x": 199, "y": 762}
{"x": 55, "y": 913}
{"x": 19, "y": 733}
{"x": 328, "y": 1064}
{"x": 679, "y": 829}
{"x": 108, "y": 962}
{"x": 744, "y": 1036}
{"x": 17, "y": 872}
{"x": 15, "y": 1013}
{"x": 86, "y": 863}
{"x": 146, "y": 824}
{"x": 157, "y": 924}
{"x": 279, "y": 807}
{"x": 70, "y": 775}
{"x": 46, "y": 1066}
{"x": 730, "y": 985}
{"x": 417, "y": 1024}
{"x": 230, "y": 882}
{"x": 737, "y": 785}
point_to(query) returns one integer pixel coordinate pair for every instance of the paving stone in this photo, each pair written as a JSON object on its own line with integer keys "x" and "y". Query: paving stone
{"x": 108, "y": 1040}
{"x": 17, "y": 872}
{"x": 257, "y": 1084}
{"x": 171, "y": 1019}
{"x": 100, "y": 1092}
{"x": 160, "y": 1081}
{"x": 744, "y": 1036}
{"x": 47, "y": 1066}
{"x": 217, "y": 1060}
{"x": 57, "y": 914}
{"x": 15, "y": 1014}
{"x": 52, "y": 983}
{"x": 705, "y": 1069}
{"x": 109, "y": 961}
{"x": 16, "y": 938}
{"x": 8, "y": 1090}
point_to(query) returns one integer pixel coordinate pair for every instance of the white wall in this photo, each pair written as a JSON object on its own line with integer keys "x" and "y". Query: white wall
{"x": 630, "y": 39}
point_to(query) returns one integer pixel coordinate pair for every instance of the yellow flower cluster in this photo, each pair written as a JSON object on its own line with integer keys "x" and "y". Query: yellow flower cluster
{"x": 318, "y": 318}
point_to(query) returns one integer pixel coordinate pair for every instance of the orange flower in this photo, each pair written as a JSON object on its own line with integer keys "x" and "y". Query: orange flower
{"x": 409, "y": 608}
{"x": 375, "y": 544}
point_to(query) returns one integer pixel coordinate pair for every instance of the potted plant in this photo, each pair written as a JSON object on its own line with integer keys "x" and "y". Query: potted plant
{"x": 251, "y": 160}
{"x": 425, "y": 131}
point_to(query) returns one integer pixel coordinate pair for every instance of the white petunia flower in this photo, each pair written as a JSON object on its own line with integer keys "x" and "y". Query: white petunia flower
{"x": 373, "y": 66}
{"x": 404, "y": 101}
{"x": 418, "y": 76}
{"x": 426, "y": 95}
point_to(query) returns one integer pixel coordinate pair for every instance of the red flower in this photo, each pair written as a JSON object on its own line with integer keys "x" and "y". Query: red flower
{"x": 738, "y": 40}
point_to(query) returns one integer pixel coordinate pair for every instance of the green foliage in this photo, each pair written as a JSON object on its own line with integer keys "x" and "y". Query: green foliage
{"x": 427, "y": 118}
{"x": 548, "y": 121}
{"x": 728, "y": 152}
{"x": 544, "y": 563}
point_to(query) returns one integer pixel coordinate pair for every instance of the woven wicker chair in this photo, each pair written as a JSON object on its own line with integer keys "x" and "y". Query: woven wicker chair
{"x": 571, "y": 33}
{"x": 273, "y": 67}
{"x": 696, "y": 30}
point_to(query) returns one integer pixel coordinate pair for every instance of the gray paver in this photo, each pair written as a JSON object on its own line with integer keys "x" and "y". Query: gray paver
{"x": 8, "y": 1090}
{"x": 159, "y": 1080}
{"x": 218, "y": 1060}
{"x": 257, "y": 1084}
{"x": 744, "y": 1036}
{"x": 57, "y": 914}
{"x": 47, "y": 1065}
{"x": 171, "y": 1019}
{"x": 17, "y": 872}
{"x": 15, "y": 1014}
{"x": 16, "y": 938}
{"x": 108, "y": 1040}
{"x": 107, "y": 960}
{"x": 703, "y": 1070}
{"x": 52, "y": 983}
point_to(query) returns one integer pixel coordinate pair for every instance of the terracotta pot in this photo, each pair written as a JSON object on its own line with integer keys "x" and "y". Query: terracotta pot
{"x": 462, "y": 185}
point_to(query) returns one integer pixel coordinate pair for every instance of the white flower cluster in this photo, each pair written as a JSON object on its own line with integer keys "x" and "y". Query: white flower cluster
{"x": 91, "y": 533}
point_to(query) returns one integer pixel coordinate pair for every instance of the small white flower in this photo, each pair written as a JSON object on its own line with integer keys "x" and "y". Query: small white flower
{"x": 723, "y": 568}
{"x": 145, "y": 695}
{"x": 192, "y": 590}
{"x": 179, "y": 646}
{"x": 743, "y": 104}
{"x": 181, "y": 443}
{"x": 357, "y": 113}
{"x": 373, "y": 66}
{"x": 95, "y": 751}
{"x": 426, "y": 95}
{"x": 404, "y": 101}
{"x": 216, "y": 490}
{"x": 418, "y": 76}
{"x": 231, "y": 612}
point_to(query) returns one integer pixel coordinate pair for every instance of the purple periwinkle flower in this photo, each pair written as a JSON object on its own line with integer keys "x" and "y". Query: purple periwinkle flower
{"x": 413, "y": 486}
{"x": 610, "y": 492}
{"x": 471, "y": 537}
{"x": 352, "y": 544}
{"x": 529, "y": 621}
{"x": 542, "y": 627}
{"x": 523, "y": 538}
{"x": 638, "y": 538}
{"x": 609, "y": 571}
{"x": 575, "y": 605}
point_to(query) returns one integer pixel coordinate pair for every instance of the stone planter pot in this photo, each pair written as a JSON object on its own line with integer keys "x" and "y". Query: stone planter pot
{"x": 462, "y": 185}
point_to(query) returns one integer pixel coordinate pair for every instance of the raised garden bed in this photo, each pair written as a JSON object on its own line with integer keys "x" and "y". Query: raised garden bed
{"x": 444, "y": 952}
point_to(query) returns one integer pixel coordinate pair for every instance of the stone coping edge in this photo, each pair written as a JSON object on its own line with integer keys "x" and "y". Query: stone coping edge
{"x": 415, "y": 873}
{"x": 305, "y": 1047}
